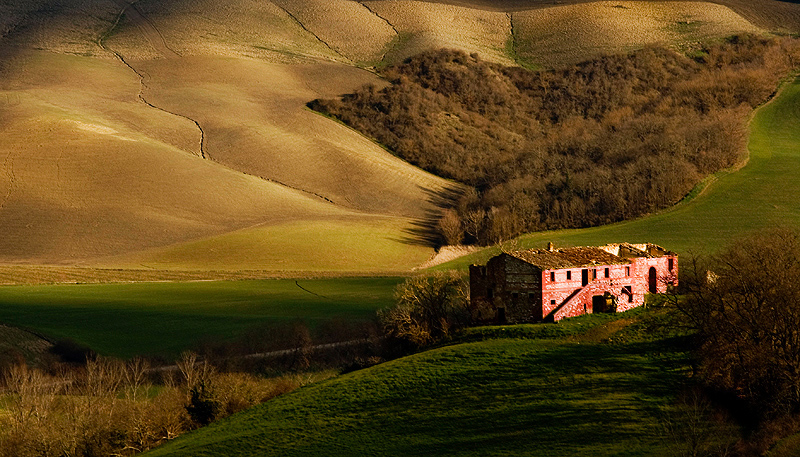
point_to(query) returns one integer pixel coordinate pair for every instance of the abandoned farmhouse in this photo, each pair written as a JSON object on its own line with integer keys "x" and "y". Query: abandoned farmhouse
{"x": 552, "y": 284}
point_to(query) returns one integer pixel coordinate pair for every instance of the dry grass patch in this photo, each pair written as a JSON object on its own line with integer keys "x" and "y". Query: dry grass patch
{"x": 350, "y": 246}
{"x": 86, "y": 170}
{"x": 567, "y": 34}
{"x": 345, "y": 25}
{"x": 256, "y": 122}
{"x": 250, "y": 28}
{"x": 424, "y": 26}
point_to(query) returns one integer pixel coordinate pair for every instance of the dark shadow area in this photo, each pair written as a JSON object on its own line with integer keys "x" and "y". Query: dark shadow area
{"x": 424, "y": 231}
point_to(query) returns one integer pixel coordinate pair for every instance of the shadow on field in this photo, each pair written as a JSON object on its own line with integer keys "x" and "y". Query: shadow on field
{"x": 424, "y": 231}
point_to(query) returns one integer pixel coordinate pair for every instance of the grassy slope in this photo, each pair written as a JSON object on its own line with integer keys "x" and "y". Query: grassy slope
{"x": 344, "y": 246}
{"x": 165, "y": 318}
{"x": 541, "y": 397}
{"x": 761, "y": 194}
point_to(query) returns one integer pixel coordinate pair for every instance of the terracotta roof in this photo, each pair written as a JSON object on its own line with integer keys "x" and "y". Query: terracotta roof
{"x": 568, "y": 258}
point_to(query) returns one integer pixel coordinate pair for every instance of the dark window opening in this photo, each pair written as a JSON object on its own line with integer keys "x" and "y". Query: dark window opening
{"x": 606, "y": 272}
{"x": 627, "y": 290}
{"x": 594, "y": 274}
{"x": 552, "y": 302}
{"x": 671, "y": 264}
{"x": 627, "y": 271}
{"x": 584, "y": 277}
{"x": 569, "y": 275}
{"x": 514, "y": 295}
{"x": 552, "y": 276}
{"x": 490, "y": 293}
{"x": 531, "y": 296}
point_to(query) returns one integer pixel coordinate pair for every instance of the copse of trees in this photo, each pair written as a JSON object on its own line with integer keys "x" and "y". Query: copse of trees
{"x": 602, "y": 141}
{"x": 744, "y": 304}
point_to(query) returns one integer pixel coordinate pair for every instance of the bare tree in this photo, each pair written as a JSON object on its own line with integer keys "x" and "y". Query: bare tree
{"x": 746, "y": 308}
{"x": 428, "y": 308}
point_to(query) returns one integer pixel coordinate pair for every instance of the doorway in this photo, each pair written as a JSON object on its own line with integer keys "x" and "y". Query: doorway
{"x": 652, "y": 280}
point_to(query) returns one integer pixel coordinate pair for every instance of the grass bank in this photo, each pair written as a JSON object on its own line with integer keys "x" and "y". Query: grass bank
{"x": 538, "y": 393}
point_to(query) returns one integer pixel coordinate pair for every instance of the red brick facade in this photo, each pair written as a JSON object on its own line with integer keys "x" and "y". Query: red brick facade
{"x": 553, "y": 284}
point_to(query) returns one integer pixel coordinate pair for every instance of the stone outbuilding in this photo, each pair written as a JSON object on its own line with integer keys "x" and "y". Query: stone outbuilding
{"x": 547, "y": 285}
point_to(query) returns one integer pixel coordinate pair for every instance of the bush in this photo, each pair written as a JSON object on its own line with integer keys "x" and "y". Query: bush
{"x": 429, "y": 308}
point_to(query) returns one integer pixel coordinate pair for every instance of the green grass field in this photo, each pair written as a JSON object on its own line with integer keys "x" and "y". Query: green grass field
{"x": 547, "y": 394}
{"x": 764, "y": 193}
{"x": 164, "y": 319}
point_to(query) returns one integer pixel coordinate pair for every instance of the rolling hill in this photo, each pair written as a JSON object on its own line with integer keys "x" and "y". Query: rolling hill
{"x": 551, "y": 390}
{"x": 175, "y": 134}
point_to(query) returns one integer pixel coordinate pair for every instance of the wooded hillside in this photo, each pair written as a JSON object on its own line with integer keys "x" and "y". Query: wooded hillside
{"x": 606, "y": 140}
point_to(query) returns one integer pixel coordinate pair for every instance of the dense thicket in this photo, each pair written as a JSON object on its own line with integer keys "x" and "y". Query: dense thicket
{"x": 606, "y": 140}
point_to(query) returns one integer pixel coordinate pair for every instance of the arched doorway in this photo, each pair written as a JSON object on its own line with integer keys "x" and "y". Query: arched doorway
{"x": 652, "y": 280}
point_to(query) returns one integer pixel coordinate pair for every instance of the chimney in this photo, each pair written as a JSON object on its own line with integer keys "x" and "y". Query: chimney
{"x": 551, "y": 247}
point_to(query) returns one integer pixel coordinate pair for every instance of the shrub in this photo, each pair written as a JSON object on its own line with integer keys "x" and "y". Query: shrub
{"x": 429, "y": 308}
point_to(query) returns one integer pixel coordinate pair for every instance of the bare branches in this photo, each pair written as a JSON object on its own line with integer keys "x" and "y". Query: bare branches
{"x": 429, "y": 307}
{"x": 748, "y": 313}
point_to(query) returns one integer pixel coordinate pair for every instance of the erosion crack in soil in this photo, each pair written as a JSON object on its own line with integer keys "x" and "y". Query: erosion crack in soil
{"x": 396, "y": 32}
{"x": 142, "y": 77}
{"x": 148, "y": 28}
{"x": 513, "y": 37}
{"x": 8, "y": 165}
{"x": 303, "y": 26}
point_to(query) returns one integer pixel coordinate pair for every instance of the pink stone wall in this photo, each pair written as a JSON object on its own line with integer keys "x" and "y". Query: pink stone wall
{"x": 635, "y": 277}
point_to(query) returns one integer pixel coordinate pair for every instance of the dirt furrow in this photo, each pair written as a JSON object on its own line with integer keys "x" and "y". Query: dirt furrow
{"x": 513, "y": 37}
{"x": 8, "y": 166}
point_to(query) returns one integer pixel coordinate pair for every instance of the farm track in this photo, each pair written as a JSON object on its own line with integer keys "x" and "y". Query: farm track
{"x": 11, "y": 275}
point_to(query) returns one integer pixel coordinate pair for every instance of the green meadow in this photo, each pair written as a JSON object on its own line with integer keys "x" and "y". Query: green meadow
{"x": 164, "y": 319}
{"x": 764, "y": 193}
{"x": 546, "y": 390}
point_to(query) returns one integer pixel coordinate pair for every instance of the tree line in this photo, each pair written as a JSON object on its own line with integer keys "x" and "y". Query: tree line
{"x": 602, "y": 141}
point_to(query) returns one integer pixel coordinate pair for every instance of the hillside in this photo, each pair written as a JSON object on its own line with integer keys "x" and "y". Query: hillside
{"x": 552, "y": 390}
{"x": 763, "y": 193}
{"x": 174, "y": 135}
